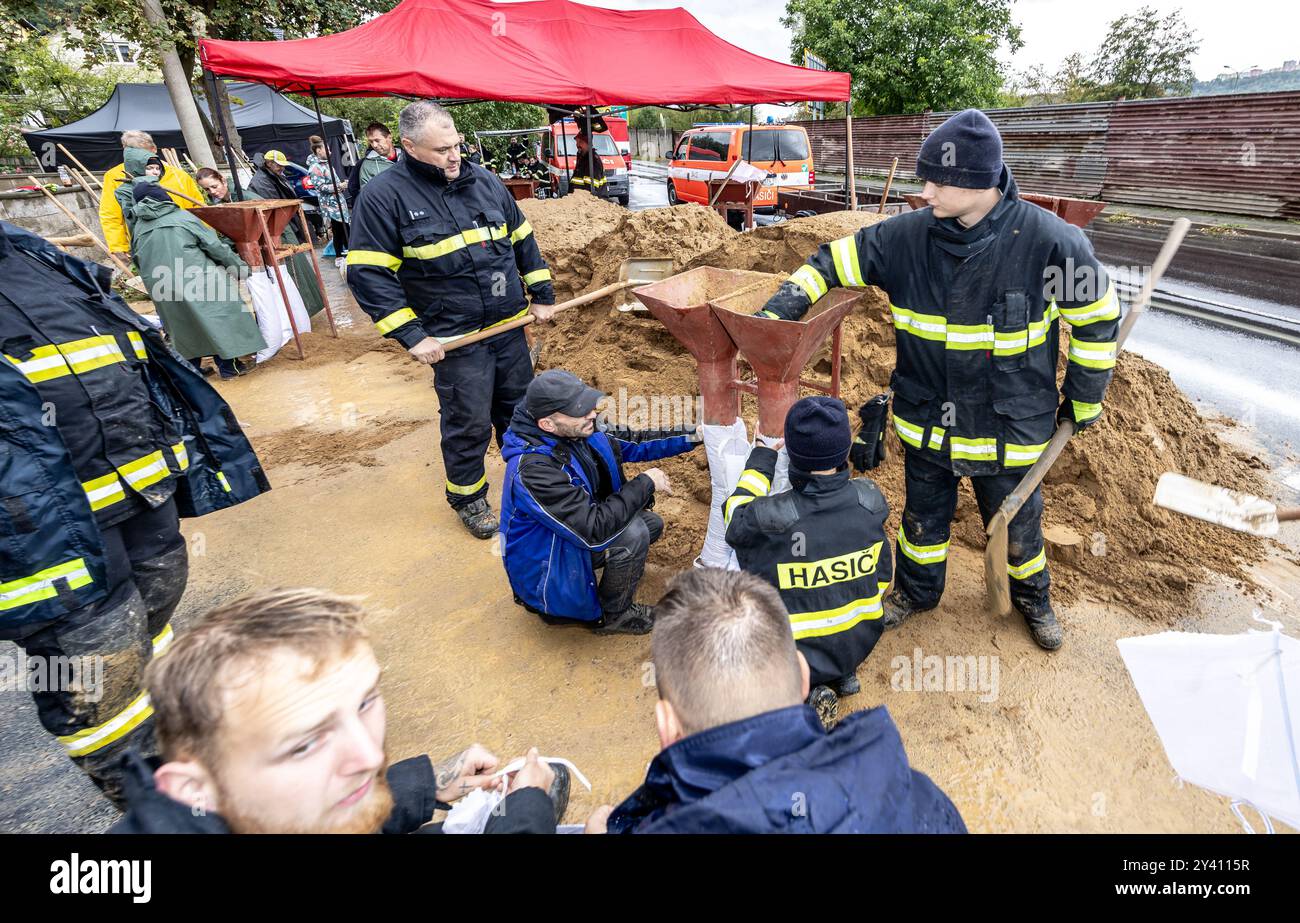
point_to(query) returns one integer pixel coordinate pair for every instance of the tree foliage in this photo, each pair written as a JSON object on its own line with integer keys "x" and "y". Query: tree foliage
{"x": 908, "y": 55}
{"x": 1146, "y": 56}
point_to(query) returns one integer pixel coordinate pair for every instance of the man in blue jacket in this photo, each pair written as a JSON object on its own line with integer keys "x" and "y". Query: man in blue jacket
{"x": 567, "y": 508}
{"x": 742, "y": 753}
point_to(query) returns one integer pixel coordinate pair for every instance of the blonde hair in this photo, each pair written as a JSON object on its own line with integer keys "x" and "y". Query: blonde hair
{"x": 140, "y": 139}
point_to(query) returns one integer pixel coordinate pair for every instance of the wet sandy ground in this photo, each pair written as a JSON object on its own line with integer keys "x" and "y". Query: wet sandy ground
{"x": 1063, "y": 745}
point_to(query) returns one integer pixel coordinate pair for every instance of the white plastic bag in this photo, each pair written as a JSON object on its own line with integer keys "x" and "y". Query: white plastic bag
{"x": 272, "y": 318}
{"x": 727, "y": 448}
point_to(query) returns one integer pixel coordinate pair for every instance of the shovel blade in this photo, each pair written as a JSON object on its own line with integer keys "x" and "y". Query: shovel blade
{"x": 643, "y": 270}
{"x": 997, "y": 582}
{"x": 1228, "y": 508}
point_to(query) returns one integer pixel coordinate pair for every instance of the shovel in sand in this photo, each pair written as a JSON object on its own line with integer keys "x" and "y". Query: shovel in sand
{"x": 997, "y": 582}
{"x": 1229, "y": 508}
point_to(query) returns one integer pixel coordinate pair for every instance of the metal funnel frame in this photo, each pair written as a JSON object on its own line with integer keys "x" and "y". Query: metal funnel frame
{"x": 681, "y": 303}
{"x": 778, "y": 350}
{"x": 239, "y": 222}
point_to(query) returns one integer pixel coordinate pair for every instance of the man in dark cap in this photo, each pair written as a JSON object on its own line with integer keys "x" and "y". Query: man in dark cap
{"x": 976, "y": 283}
{"x": 567, "y": 508}
{"x": 821, "y": 543}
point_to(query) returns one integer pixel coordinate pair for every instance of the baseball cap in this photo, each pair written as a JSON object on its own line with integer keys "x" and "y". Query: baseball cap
{"x": 276, "y": 157}
{"x": 558, "y": 391}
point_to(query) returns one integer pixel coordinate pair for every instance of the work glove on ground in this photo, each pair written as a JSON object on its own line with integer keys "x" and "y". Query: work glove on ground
{"x": 789, "y": 303}
{"x": 1068, "y": 411}
{"x": 868, "y": 448}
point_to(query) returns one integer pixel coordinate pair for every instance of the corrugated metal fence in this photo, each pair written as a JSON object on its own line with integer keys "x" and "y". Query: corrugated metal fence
{"x": 1238, "y": 154}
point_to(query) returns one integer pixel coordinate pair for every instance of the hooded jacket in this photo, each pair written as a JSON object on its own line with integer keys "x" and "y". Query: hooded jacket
{"x": 975, "y": 318}
{"x": 111, "y": 217}
{"x": 552, "y": 520}
{"x": 135, "y": 425}
{"x": 782, "y": 772}
{"x": 433, "y": 257}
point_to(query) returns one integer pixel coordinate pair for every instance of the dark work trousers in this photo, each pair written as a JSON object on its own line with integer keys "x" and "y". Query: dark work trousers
{"x": 624, "y": 561}
{"x": 924, "y": 536}
{"x": 98, "y": 719}
{"x": 339, "y": 234}
{"x": 478, "y": 387}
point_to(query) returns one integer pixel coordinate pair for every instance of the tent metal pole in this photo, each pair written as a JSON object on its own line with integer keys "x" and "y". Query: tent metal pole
{"x": 225, "y": 136}
{"x": 334, "y": 177}
{"x": 591, "y": 154}
{"x": 848, "y": 148}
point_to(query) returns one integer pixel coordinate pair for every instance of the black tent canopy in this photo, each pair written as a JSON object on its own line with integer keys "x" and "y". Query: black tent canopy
{"x": 265, "y": 119}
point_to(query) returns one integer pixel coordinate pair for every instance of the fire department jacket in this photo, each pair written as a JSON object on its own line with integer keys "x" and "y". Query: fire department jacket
{"x": 444, "y": 259}
{"x": 592, "y": 180}
{"x": 99, "y": 420}
{"x": 975, "y": 317}
{"x": 822, "y": 544}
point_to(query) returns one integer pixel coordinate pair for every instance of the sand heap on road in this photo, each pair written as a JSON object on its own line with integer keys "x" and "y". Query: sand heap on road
{"x": 1106, "y": 539}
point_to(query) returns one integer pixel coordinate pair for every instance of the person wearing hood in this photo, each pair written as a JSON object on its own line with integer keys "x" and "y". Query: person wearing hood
{"x": 440, "y": 251}
{"x": 137, "y": 148}
{"x": 741, "y": 752}
{"x": 567, "y": 507}
{"x": 821, "y": 543}
{"x": 976, "y": 283}
{"x": 192, "y": 277}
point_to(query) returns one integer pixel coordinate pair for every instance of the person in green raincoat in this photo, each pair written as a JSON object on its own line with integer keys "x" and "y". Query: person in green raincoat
{"x": 184, "y": 264}
{"x": 136, "y": 162}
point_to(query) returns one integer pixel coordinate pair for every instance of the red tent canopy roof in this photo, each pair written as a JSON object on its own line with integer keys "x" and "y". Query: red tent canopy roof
{"x": 533, "y": 52}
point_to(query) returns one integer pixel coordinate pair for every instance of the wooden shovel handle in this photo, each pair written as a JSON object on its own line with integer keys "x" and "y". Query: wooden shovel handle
{"x": 490, "y": 332}
{"x": 1290, "y": 515}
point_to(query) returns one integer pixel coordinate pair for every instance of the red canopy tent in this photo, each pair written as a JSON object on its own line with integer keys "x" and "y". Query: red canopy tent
{"x": 533, "y": 52}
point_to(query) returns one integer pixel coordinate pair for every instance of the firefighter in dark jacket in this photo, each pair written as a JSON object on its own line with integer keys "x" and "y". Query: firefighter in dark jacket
{"x": 741, "y": 752}
{"x": 976, "y": 283}
{"x": 821, "y": 543}
{"x": 589, "y": 170}
{"x": 107, "y": 437}
{"x": 439, "y": 250}
{"x": 567, "y": 508}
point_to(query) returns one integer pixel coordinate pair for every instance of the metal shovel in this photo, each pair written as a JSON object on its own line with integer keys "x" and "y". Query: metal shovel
{"x": 1228, "y": 508}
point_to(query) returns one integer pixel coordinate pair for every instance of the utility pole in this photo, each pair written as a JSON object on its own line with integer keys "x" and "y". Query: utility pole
{"x": 178, "y": 88}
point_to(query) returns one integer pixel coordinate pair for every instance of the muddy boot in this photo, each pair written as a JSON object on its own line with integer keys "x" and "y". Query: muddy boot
{"x": 1043, "y": 626}
{"x": 559, "y": 790}
{"x": 898, "y": 607}
{"x": 636, "y": 619}
{"x": 478, "y": 518}
{"x": 824, "y": 702}
{"x": 847, "y": 685}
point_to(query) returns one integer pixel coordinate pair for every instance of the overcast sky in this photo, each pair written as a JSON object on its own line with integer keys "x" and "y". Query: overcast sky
{"x": 1238, "y": 33}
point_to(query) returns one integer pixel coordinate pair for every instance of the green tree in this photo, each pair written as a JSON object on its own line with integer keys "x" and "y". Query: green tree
{"x": 1145, "y": 56}
{"x": 1072, "y": 82}
{"x": 908, "y": 55}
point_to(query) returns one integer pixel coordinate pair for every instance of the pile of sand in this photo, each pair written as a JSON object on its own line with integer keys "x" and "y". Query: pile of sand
{"x": 1107, "y": 539}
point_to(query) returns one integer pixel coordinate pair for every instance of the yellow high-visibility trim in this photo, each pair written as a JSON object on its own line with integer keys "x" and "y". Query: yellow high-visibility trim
{"x": 46, "y": 362}
{"x": 145, "y": 471}
{"x": 832, "y": 621}
{"x": 754, "y": 481}
{"x": 1104, "y": 308}
{"x": 1093, "y": 355}
{"x": 908, "y": 432}
{"x": 973, "y": 449}
{"x": 537, "y": 275}
{"x": 925, "y": 326}
{"x": 811, "y": 281}
{"x": 734, "y": 503}
{"x": 91, "y": 353}
{"x": 163, "y": 639}
{"x": 115, "y": 728}
{"x": 465, "y": 491}
{"x": 27, "y": 590}
{"x": 182, "y": 456}
{"x": 104, "y": 491}
{"x": 1030, "y": 567}
{"x": 225, "y": 485}
{"x": 390, "y": 322}
{"x": 936, "y": 438}
{"x": 1019, "y": 455}
{"x": 812, "y": 575}
{"x": 137, "y": 343}
{"x": 923, "y": 554}
{"x": 1083, "y": 411}
{"x": 454, "y": 242}
{"x": 521, "y": 232}
{"x": 374, "y": 258}
{"x": 845, "y": 253}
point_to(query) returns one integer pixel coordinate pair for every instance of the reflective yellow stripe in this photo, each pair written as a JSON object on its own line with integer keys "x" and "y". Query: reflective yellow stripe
{"x": 1093, "y": 355}
{"x": 734, "y": 503}
{"x": 845, "y": 253}
{"x": 91, "y": 353}
{"x": 766, "y": 313}
{"x": 922, "y": 554}
{"x": 115, "y": 728}
{"x": 925, "y": 326}
{"x": 466, "y": 491}
{"x": 908, "y": 432}
{"x": 1017, "y": 455}
{"x": 1084, "y": 411}
{"x": 163, "y": 639}
{"x": 521, "y": 232}
{"x": 1104, "y": 308}
{"x": 373, "y": 258}
{"x": 390, "y": 322}
{"x": 812, "y": 575}
{"x": 182, "y": 457}
{"x": 27, "y": 590}
{"x": 145, "y": 471}
{"x": 811, "y": 281}
{"x": 936, "y": 438}
{"x": 1030, "y": 567}
{"x": 104, "y": 491}
{"x": 831, "y": 621}
{"x": 973, "y": 449}
{"x": 537, "y": 275}
{"x": 754, "y": 481}
{"x": 972, "y": 336}
{"x": 969, "y": 336}
{"x": 221, "y": 476}
{"x": 46, "y": 362}
{"x": 455, "y": 242}
{"x": 137, "y": 343}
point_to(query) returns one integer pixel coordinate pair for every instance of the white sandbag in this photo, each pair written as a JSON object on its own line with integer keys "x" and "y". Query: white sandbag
{"x": 781, "y": 476}
{"x": 272, "y": 318}
{"x": 727, "y": 448}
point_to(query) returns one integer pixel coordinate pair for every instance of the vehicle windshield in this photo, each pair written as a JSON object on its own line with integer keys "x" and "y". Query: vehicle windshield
{"x": 763, "y": 145}
{"x": 604, "y": 145}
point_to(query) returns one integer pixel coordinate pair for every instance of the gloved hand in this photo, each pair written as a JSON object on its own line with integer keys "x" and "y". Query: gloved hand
{"x": 868, "y": 449}
{"x": 789, "y": 303}
{"x": 1068, "y": 411}
{"x": 772, "y": 442}
{"x": 542, "y": 293}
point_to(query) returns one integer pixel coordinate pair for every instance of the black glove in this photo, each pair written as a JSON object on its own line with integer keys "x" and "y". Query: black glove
{"x": 868, "y": 448}
{"x": 542, "y": 293}
{"x": 789, "y": 303}
{"x": 1067, "y": 411}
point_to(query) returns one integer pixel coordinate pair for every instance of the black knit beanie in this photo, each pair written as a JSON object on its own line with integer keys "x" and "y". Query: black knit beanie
{"x": 817, "y": 433}
{"x": 964, "y": 151}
